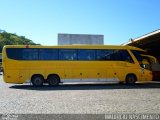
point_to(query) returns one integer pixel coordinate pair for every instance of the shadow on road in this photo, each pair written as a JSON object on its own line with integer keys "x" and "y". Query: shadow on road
{"x": 88, "y": 86}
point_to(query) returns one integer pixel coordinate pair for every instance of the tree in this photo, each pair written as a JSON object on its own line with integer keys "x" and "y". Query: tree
{"x": 13, "y": 39}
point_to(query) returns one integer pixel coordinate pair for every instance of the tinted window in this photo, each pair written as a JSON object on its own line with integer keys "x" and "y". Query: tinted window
{"x": 22, "y": 54}
{"x": 29, "y": 54}
{"x": 113, "y": 55}
{"x": 126, "y": 56}
{"x": 104, "y": 54}
{"x": 67, "y": 54}
{"x": 116, "y": 55}
{"x": 121, "y": 55}
{"x": 14, "y": 53}
{"x": 137, "y": 54}
{"x": 86, "y": 54}
{"x": 48, "y": 54}
{"x": 100, "y": 55}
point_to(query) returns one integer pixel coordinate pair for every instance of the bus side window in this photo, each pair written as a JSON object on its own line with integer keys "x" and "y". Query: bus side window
{"x": 48, "y": 54}
{"x": 68, "y": 54}
{"x": 86, "y": 54}
{"x": 126, "y": 56}
{"x": 30, "y": 54}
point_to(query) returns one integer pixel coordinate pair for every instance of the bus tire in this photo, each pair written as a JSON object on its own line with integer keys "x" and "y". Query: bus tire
{"x": 131, "y": 79}
{"x": 53, "y": 80}
{"x": 37, "y": 80}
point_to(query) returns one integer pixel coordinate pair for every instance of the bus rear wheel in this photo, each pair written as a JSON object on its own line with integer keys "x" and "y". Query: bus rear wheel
{"x": 53, "y": 80}
{"x": 131, "y": 79}
{"x": 37, "y": 80}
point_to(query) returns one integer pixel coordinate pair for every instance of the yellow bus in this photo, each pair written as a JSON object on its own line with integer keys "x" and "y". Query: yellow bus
{"x": 73, "y": 63}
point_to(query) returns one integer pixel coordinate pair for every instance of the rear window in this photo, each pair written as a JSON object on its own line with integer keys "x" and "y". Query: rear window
{"x": 22, "y": 54}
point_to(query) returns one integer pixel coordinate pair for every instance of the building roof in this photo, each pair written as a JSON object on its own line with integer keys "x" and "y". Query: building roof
{"x": 147, "y": 41}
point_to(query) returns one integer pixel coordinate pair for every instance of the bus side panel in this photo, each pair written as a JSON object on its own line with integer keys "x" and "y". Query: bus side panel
{"x": 36, "y": 71}
{"x": 146, "y": 75}
{"x": 12, "y": 76}
{"x": 11, "y": 71}
{"x": 122, "y": 69}
{"x": 118, "y": 70}
{"x": 59, "y": 72}
{"x": 24, "y": 75}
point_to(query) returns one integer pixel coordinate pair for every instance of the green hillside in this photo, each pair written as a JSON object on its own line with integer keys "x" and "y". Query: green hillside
{"x": 13, "y": 39}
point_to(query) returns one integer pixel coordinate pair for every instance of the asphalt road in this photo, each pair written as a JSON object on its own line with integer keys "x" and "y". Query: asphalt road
{"x": 79, "y": 99}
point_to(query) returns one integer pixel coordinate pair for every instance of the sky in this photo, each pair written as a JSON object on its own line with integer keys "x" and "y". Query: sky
{"x": 117, "y": 20}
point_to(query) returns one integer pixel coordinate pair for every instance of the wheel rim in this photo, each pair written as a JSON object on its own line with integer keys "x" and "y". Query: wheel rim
{"x": 37, "y": 81}
{"x": 53, "y": 81}
{"x": 131, "y": 80}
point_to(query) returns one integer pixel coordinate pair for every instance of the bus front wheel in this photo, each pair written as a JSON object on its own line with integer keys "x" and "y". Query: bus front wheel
{"x": 53, "y": 80}
{"x": 37, "y": 80}
{"x": 131, "y": 79}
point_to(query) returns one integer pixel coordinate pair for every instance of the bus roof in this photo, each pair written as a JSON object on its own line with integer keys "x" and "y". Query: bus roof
{"x": 76, "y": 46}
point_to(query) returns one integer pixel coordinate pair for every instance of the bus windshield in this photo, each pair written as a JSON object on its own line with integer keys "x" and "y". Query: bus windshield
{"x": 145, "y": 61}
